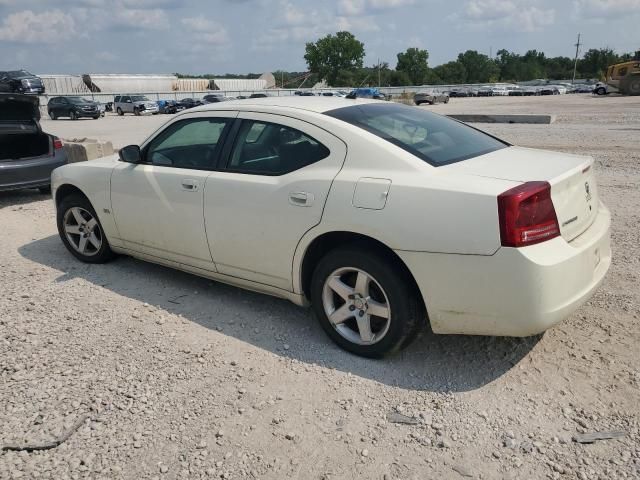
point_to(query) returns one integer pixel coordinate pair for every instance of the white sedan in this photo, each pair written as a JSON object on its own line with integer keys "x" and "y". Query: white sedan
{"x": 384, "y": 217}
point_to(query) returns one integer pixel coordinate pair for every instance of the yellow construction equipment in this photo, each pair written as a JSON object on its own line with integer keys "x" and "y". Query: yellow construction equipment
{"x": 622, "y": 78}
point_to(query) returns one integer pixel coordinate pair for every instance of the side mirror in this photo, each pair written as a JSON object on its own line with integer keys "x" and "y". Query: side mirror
{"x": 128, "y": 100}
{"x": 130, "y": 154}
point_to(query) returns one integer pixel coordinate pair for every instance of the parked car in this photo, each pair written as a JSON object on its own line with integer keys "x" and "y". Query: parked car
{"x": 499, "y": 91}
{"x": 548, "y": 90}
{"x": 72, "y": 107}
{"x": 27, "y": 154}
{"x": 303, "y": 93}
{"x": 530, "y": 91}
{"x": 289, "y": 211}
{"x": 214, "y": 98}
{"x": 189, "y": 103}
{"x": 167, "y": 106}
{"x": 367, "y": 92}
{"x": 258, "y": 95}
{"x": 20, "y": 81}
{"x": 458, "y": 92}
{"x": 431, "y": 96}
{"x": 136, "y": 104}
{"x": 515, "y": 91}
{"x": 485, "y": 92}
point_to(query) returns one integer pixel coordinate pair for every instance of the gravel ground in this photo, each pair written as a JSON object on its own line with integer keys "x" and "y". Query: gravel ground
{"x": 181, "y": 377}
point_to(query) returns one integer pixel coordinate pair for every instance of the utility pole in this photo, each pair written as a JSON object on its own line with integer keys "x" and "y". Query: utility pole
{"x": 378, "y": 72}
{"x": 575, "y": 62}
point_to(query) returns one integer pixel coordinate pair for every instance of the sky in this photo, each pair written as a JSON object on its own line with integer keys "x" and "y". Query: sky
{"x": 242, "y": 36}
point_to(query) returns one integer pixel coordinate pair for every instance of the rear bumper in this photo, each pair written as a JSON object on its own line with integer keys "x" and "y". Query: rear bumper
{"x": 29, "y": 173}
{"x": 517, "y": 291}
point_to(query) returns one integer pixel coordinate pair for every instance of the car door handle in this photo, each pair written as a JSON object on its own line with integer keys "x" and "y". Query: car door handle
{"x": 301, "y": 199}
{"x": 190, "y": 184}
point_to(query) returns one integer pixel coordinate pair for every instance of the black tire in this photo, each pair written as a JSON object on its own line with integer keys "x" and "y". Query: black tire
{"x": 96, "y": 117}
{"x": 407, "y": 315}
{"x": 73, "y": 115}
{"x": 104, "y": 253}
{"x": 601, "y": 91}
{"x": 136, "y": 112}
{"x": 630, "y": 85}
{"x": 119, "y": 111}
{"x": 446, "y": 100}
{"x": 46, "y": 190}
{"x": 53, "y": 116}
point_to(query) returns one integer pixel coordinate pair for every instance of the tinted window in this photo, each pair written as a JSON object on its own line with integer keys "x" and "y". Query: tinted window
{"x": 435, "y": 139}
{"x": 188, "y": 144}
{"x": 139, "y": 98}
{"x": 270, "y": 149}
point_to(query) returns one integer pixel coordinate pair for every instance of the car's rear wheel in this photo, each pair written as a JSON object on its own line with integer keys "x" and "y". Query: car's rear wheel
{"x": 601, "y": 91}
{"x": 119, "y": 111}
{"x": 81, "y": 231}
{"x": 73, "y": 115}
{"x": 365, "y": 303}
{"x": 52, "y": 115}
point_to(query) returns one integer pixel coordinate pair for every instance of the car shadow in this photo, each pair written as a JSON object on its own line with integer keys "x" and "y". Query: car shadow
{"x": 438, "y": 363}
{"x": 26, "y": 196}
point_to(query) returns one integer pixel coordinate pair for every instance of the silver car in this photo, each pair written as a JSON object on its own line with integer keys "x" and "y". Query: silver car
{"x": 136, "y": 104}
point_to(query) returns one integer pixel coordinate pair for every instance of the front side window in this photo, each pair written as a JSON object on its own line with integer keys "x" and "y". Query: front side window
{"x": 193, "y": 143}
{"x": 264, "y": 148}
{"x": 433, "y": 138}
{"x": 139, "y": 98}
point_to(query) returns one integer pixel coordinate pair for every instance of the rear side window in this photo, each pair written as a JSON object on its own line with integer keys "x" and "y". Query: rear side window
{"x": 263, "y": 148}
{"x": 433, "y": 138}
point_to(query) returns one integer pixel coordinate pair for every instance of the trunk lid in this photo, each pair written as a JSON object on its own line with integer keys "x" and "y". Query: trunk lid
{"x": 574, "y": 190}
{"x": 19, "y": 114}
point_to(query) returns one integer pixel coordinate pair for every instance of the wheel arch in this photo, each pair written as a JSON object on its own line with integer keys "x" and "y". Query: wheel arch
{"x": 327, "y": 241}
{"x": 67, "y": 189}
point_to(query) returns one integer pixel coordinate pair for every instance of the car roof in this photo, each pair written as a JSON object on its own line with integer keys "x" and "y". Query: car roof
{"x": 314, "y": 104}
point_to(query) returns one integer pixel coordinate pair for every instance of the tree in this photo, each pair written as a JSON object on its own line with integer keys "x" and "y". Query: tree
{"x": 595, "y": 62}
{"x": 479, "y": 67}
{"x": 413, "y": 62}
{"x": 334, "y": 53}
{"x": 451, "y": 72}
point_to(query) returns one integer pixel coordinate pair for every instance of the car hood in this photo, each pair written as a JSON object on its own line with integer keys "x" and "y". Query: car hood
{"x": 19, "y": 108}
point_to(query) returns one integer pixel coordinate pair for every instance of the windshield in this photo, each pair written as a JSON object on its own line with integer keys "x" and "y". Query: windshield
{"x": 139, "y": 98}
{"x": 19, "y": 73}
{"x": 78, "y": 100}
{"x": 433, "y": 138}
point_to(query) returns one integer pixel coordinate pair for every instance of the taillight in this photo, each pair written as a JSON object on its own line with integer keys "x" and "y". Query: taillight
{"x": 57, "y": 144}
{"x": 527, "y": 215}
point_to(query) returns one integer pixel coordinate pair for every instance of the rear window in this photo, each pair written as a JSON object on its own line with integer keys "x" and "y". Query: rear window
{"x": 433, "y": 138}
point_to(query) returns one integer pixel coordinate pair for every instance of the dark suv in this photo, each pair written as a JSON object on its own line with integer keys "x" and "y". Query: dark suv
{"x": 20, "y": 81}
{"x": 72, "y": 107}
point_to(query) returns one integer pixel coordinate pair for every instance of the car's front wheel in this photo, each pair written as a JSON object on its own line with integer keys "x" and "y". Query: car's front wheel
{"x": 53, "y": 115}
{"x": 364, "y": 302}
{"x": 73, "y": 115}
{"x": 119, "y": 111}
{"x": 81, "y": 231}
{"x": 601, "y": 91}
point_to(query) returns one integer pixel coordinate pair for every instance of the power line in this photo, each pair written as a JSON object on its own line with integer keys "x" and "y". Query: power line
{"x": 575, "y": 62}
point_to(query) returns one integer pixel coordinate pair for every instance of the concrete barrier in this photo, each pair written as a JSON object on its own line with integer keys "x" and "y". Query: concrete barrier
{"x": 499, "y": 118}
{"x": 84, "y": 149}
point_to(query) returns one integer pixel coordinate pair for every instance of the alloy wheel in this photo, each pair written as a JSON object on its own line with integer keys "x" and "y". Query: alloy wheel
{"x": 82, "y": 231}
{"x": 356, "y": 305}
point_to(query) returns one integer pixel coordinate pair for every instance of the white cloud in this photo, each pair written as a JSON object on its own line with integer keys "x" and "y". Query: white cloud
{"x": 143, "y": 19}
{"x": 206, "y": 31}
{"x": 382, "y": 4}
{"x": 351, "y": 7}
{"x": 515, "y": 15}
{"x": 29, "y": 27}
{"x": 359, "y": 7}
{"x": 357, "y": 24}
{"x": 598, "y": 9}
